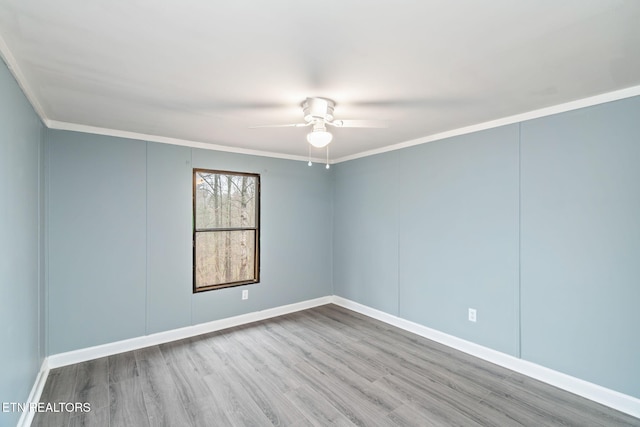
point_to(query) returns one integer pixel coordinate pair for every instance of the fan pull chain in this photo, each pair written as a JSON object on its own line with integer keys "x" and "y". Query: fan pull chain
{"x": 309, "y": 146}
{"x": 327, "y": 157}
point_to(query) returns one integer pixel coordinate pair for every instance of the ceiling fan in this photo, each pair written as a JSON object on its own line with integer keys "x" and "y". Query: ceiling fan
{"x": 318, "y": 112}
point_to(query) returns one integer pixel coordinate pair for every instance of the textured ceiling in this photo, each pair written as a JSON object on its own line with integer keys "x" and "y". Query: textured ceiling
{"x": 205, "y": 71}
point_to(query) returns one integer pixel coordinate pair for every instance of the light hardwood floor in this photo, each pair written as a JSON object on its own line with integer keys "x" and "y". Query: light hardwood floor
{"x": 319, "y": 367}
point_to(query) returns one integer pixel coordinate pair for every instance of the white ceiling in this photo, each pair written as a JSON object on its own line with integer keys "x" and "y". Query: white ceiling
{"x": 204, "y": 71}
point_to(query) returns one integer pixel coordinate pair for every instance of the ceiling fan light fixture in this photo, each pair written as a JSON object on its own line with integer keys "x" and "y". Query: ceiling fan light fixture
{"x": 319, "y": 138}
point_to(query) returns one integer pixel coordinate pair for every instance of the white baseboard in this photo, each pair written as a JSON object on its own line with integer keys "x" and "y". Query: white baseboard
{"x": 616, "y": 400}
{"x": 36, "y": 391}
{"x": 90, "y": 353}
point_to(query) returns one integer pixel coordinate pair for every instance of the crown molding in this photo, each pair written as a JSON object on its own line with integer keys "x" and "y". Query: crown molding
{"x": 58, "y": 125}
{"x": 530, "y": 115}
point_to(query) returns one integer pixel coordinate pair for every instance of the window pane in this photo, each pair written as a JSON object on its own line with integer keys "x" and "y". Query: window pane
{"x": 224, "y": 257}
{"x": 225, "y": 201}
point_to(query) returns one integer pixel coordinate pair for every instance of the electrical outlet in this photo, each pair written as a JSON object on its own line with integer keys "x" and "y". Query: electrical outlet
{"x": 245, "y": 294}
{"x": 472, "y": 315}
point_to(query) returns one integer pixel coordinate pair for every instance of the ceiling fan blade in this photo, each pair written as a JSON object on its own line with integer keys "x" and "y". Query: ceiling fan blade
{"x": 292, "y": 125}
{"x": 359, "y": 124}
{"x": 221, "y": 105}
{"x": 428, "y": 102}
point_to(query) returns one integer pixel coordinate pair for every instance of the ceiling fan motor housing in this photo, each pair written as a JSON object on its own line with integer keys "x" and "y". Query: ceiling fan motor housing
{"x": 318, "y": 109}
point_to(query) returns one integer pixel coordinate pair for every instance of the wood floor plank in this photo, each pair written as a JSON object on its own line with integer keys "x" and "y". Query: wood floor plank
{"x": 317, "y": 410}
{"x": 341, "y": 372}
{"x": 96, "y": 418}
{"x": 234, "y": 401}
{"x": 359, "y": 362}
{"x": 49, "y": 419}
{"x": 353, "y": 405}
{"x": 260, "y": 389}
{"x": 308, "y": 354}
{"x": 429, "y": 403}
{"x": 408, "y": 416}
{"x": 186, "y": 375}
{"x": 296, "y": 349}
{"x": 91, "y": 373}
{"x": 96, "y": 396}
{"x": 354, "y": 331}
{"x": 407, "y": 365}
{"x": 122, "y": 366}
{"x": 364, "y": 389}
{"x": 148, "y": 353}
{"x": 350, "y": 321}
{"x": 303, "y": 423}
{"x": 204, "y": 357}
{"x": 159, "y": 391}
{"x": 92, "y": 383}
{"x": 127, "y": 407}
{"x": 269, "y": 362}
{"x": 218, "y": 342}
{"x": 519, "y": 411}
{"x": 205, "y": 412}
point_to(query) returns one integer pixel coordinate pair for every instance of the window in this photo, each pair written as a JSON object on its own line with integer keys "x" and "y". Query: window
{"x": 226, "y": 229}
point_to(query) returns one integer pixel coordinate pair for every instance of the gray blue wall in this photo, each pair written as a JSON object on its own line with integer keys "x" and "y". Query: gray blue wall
{"x": 120, "y": 238}
{"x": 536, "y": 225}
{"x": 21, "y": 246}
{"x": 580, "y": 240}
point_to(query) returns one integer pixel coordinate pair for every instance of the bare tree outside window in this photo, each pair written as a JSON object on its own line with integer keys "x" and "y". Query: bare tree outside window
{"x": 226, "y": 234}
